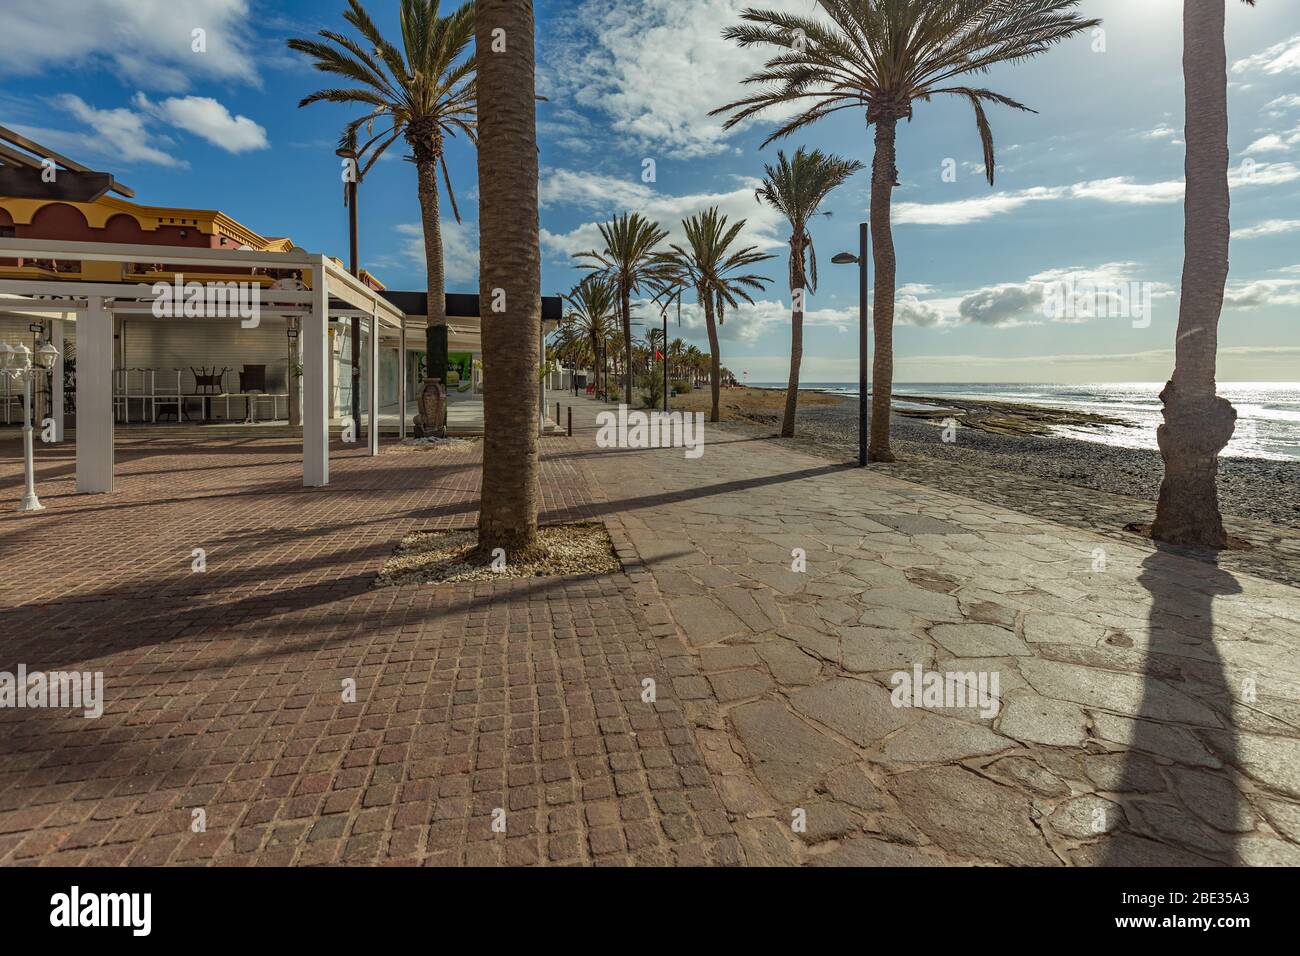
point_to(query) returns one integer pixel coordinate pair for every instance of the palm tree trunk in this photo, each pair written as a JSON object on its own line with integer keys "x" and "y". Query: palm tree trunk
{"x": 796, "y": 341}
{"x": 625, "y": 312}
{"x": 715, "y": 356}
{"x": 1197, "y": 424}
{"x": 435, "y": 335}
{"x": 884, "y": 173}
{"x": 510, "y": 260}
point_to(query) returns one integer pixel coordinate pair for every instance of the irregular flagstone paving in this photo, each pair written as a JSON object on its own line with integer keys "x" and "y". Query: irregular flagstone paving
{"x": 1149, "y": 706}
{"x": 1275, "y": 548}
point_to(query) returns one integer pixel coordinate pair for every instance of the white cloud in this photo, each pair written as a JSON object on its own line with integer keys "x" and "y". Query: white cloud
{"x": 1092, "y": 292}
{"x": 1286, "y": 102}
{"x": 749, "y": 322}
{"x": 205, "y": 117}
{"x": 1163, "y": 131}
{"x": 605, "y": 196}
{"x": 1269, "y": 227}
{"x": 655, "y": 67}
{"x": 459, "y": 250}
{"x": 118, "y": 132}
{"x": 1281, "y": 57}
{"x": 1262, "y": 293}
{"x": 1121, "y": 190}
{"x": 147, "y": 42}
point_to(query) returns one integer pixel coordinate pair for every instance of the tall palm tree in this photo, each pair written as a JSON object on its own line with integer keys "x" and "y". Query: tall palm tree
{"x": 510, "y": 261}
{"x": 593, "y": 306}
{"x": 1197, "y": 422}
{"x": 422, "y": 93}
{"x": 796, "y": 188}
{"x": 632, "y": 260}
{"x": 885, "y": 55}
{"x": 712, "y": 270}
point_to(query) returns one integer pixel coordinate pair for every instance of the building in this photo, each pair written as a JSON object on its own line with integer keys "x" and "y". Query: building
{"x": 167, "y": 365}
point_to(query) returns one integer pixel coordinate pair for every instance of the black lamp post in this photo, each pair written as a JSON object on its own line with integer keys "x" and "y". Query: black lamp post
{"x": 864, "y": 351}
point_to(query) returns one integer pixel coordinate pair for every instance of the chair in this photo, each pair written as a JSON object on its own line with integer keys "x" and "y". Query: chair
{"x": 251, "y": 379}
{"x": 207, "y": 383}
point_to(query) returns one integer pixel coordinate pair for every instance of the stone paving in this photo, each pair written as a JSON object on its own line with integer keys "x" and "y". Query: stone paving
{"x": 1150, "y": 703}
{"x": 230, "y": 734}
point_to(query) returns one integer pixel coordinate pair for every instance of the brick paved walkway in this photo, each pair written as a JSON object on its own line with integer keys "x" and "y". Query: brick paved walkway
{"x": 224, "y": 688}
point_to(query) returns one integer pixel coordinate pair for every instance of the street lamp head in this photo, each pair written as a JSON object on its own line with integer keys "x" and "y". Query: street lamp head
{"x": 46, "y": 356}
{"x": 6, "y": 356}
{"x": 21, "y": 359}
{"x": 844, "y": 259}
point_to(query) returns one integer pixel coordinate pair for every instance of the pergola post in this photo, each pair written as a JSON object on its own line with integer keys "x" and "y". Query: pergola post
{"x": 401, "y": 380}
{"x": 315, "y": 383}
{"x": 56, "y": 379}
{"x": 541, "y": 382}
{"x": 373, "y": 423}
{"x": 95, "y": 398}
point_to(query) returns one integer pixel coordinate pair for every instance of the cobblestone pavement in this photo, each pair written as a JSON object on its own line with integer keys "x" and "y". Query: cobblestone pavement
{"x": 1149, "y": 703}
{"x": 225, "y": 689}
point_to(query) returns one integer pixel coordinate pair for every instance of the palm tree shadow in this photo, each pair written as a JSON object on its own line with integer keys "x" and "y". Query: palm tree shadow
{"x": 1196, "y": 824}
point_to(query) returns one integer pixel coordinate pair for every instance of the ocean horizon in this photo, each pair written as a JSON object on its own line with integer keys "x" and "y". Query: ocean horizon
{"x": 1268, "y": 413}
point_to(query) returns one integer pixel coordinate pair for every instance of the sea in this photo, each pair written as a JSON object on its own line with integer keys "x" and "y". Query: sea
{"x": 1268, "y": 413}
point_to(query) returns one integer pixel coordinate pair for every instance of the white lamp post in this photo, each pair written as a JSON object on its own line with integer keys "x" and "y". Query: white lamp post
{"x": 16, "y": 362}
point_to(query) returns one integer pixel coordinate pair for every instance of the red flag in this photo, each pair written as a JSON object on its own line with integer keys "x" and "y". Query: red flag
{"x": 659, "y": 355}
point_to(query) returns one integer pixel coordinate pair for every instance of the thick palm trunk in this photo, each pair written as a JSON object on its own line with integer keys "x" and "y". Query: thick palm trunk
{"x": 796, "y": 341}
{"x": 625, "y": 312}
{"x": 510, "y": 260}
{"x": 435, "y": 336}
{"x": 1197, "y": 424}
{"x": 715, "y": 358}
{"x": 884, "y": 173}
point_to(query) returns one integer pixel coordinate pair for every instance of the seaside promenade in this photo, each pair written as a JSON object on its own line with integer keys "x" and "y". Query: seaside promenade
{"x": 1147, "y": 705}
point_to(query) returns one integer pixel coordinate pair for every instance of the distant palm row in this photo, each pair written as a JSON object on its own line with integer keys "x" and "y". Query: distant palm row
{"x": 878, "y": 58}
{"x": 711, "y": 264}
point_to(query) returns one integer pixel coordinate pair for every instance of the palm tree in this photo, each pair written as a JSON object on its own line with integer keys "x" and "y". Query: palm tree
{"x": 796, "y": 188}
{"x": 885, "y": 55}
{"x": 711, "y": 268}
{"x": 510, "y": 261}
{"x": 594, "y": 304}
{"x": 631, "y": 260}
{"x": 1197, "y": 422}
{"x": 676, "y": 354}
{"x": 423, "y": 93}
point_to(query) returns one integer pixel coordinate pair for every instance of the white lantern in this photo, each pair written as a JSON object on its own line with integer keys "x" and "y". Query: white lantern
{"x": 46, "y": 356}
{"x": 6, "y": 356}
{"x": 21, "y": 359}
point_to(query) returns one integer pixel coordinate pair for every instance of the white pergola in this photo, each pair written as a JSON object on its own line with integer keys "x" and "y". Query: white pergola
{"x": 91, "y": 306}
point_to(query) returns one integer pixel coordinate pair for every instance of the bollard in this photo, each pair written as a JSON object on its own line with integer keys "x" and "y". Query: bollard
{"x": 557, "y": 414}
{"x": 570, "y": 421}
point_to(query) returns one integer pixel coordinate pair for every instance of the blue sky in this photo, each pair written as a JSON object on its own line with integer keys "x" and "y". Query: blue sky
{"x": 1088, "y": 188}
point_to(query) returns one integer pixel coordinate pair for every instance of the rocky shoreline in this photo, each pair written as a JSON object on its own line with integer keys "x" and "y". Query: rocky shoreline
{"x": 1018, "y": 440}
